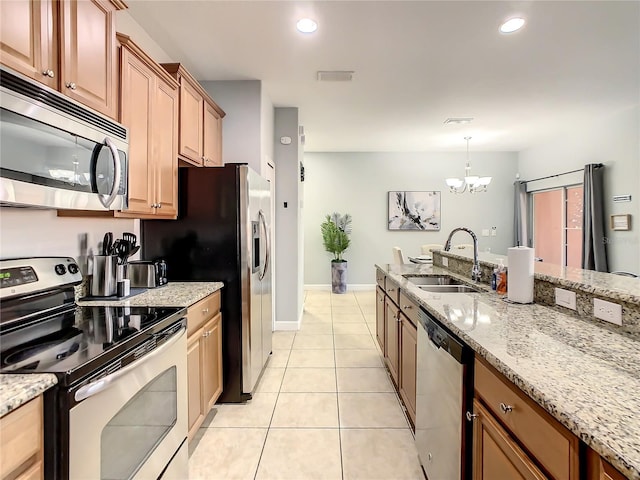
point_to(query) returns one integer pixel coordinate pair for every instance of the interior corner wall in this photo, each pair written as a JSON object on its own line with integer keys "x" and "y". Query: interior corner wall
{"x": 241, "y": 129}
{"x": 615, "y": 142}
{"x": 358, "y": 183}
{"x": 288, "y": 280}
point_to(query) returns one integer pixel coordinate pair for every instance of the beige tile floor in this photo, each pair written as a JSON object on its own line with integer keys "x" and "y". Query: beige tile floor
{"x": 324, "y": 408}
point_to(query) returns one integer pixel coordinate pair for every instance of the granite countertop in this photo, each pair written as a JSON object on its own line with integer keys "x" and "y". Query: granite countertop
{"x": 174, "y": 294}
{"x": 585, "y": 376}
{"x": 19, "y": 389}
{"x": 626, "y": 289}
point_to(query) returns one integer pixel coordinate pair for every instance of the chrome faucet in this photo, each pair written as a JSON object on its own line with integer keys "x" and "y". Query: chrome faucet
{"x": 476, "y": 272}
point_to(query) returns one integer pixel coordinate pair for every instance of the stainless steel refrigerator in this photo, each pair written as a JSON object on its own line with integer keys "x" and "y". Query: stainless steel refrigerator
{"x": 223, "y": 233}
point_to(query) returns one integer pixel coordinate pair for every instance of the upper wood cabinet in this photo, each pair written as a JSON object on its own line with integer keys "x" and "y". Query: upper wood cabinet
{"x": 149, "y": 109}
{"x": 200, "y": 123}
{"x": 68, "y": 45}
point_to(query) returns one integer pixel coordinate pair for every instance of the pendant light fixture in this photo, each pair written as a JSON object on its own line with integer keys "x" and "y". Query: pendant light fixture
{"x": 472, "y": 183}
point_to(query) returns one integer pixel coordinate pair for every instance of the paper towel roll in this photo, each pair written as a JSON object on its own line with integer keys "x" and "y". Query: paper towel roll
{"x": 520, "y": 274}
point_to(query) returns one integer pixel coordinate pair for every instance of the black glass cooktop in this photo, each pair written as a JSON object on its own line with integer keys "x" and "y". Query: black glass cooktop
{"x": 81, "y": 340}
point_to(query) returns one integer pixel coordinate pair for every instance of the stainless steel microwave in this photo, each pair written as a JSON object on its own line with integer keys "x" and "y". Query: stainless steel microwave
{"x": 57, "y": 153}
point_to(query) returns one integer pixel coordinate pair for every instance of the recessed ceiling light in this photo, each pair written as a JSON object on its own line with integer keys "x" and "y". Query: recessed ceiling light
{"x": 306, "y": 25}
{"x": 512, "y": 25}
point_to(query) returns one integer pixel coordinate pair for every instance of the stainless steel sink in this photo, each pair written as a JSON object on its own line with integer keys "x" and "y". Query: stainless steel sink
{"x": 432, "y": 280}
{"x": 448, "y": 288}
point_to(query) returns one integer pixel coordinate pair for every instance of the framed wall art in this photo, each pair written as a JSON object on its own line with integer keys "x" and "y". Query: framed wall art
{"x": 414, "y": 211}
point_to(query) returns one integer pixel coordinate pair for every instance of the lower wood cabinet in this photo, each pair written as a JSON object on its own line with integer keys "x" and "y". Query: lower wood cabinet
{"x": 392, "y": 339}
{"x": 599, "y": 469}
{"x": 408, "y": 366}
{"x": 21, "y": 442}
{"x": 380, "y": 317}
{"x": 204, "y": 359}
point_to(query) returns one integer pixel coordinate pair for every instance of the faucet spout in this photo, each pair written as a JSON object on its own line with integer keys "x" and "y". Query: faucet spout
{"x": 476, "y": 271}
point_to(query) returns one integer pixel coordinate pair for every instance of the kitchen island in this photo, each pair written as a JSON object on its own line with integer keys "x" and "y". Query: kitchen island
{"x": 585, "y": 376}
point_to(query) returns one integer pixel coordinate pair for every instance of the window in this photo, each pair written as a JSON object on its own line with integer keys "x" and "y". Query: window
{"x": 557, "y": 225}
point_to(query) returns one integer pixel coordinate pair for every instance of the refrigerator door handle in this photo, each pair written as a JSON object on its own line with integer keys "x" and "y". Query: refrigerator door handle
{"x": 263, "y": 223}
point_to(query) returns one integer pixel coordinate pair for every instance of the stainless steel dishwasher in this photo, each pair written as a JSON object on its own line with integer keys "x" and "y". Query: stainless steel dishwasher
{"x": 443, "y": 436}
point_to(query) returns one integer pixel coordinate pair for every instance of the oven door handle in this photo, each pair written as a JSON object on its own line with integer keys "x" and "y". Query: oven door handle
{"x": 93, "y": 388}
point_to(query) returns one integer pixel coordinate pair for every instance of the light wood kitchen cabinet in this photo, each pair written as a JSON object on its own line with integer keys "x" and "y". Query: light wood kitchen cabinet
{"x": 200, "y": 121}
{"x": 68, "y": 45}
{"x": 408, "y": 366}
{"x": 21, "y": 442}
{"x": 392, "y": 339}
{"x": 204, "y": 358}
{"x": 495, "y": 454}
{"x": 149, "y": 109}
{"x": 599, "y": 469}
{"x": 550, "y": 446}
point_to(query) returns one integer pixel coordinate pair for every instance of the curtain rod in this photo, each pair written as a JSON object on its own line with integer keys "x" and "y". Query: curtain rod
{"x": 556, "y": 175}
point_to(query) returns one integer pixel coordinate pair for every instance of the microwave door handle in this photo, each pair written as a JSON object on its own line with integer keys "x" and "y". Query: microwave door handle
{"x": 93, "y": 388}
{"x": 267, "y": 256}
{"x": 107, "y": 200}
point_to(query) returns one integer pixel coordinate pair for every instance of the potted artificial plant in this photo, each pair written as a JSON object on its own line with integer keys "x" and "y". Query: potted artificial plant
{"x": 335, "y": 237}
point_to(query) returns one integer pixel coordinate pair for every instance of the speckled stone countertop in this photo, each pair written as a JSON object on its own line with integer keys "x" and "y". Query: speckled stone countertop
{"x": 585, "y": 376}
{"x": 174, "y": 294}
{"x": 616, "y": 287}
{"x": 16, "y": 390}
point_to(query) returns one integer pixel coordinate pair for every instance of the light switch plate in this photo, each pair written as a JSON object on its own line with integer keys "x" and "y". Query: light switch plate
{"x": 485, "y": 232}
{"x": 607, "y": 311}
{"x": 566, "y": 298}
{"x": 445, "y": 262}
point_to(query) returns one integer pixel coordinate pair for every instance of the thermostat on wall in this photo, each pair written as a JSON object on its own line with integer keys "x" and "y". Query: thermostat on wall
{"x": 285, "y": 140}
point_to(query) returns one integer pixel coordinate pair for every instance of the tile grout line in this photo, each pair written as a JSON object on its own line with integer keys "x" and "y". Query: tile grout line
{"x": 335, "y": 369}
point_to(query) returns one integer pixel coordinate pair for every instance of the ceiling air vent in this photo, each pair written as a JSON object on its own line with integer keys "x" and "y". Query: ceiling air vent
{"x": 458, "y": 120}
{"x": 335, "y": 76}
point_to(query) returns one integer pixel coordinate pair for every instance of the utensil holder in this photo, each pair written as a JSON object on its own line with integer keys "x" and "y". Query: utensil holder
{"x": 103, "y": 283}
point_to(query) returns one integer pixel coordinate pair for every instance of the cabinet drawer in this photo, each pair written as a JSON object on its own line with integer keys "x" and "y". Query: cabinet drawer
{"x": 409, "y": 308}
{"x": 200, "y": 312}
{"x": 392, "y": 290}
{"x": 553, "y": 446}
{"x": 380, "y": 278}
{"x": 21, "y": 441}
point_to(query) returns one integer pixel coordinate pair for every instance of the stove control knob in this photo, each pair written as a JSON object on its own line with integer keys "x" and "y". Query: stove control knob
{"x": 73, "y": 268}
{"x": 60, "y": 269}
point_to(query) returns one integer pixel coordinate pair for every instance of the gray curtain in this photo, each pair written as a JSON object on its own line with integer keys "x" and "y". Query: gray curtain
{"x": 520, "y": 220}
{"x": 594, "y": 254}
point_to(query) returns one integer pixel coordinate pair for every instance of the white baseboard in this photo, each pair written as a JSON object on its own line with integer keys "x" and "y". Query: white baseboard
{"x": 286, "y": 326}
{"x": 350, "y": 286}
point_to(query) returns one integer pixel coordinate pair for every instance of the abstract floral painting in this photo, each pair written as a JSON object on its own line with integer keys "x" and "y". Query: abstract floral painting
{"x": 414, "y": 211}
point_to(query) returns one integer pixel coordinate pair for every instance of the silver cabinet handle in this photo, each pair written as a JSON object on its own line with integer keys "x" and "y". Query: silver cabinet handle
{"x": 505, "y": 408}
{"x": 93, "y": 388}
{"x": 205, "y": 310}
{"x": 48, "y": 73}
{"x": 71, "y": 85}
{"x": 391, "y": 290}
{"x": 406, "y": 307}
{"x": 472, "y": 416}
{"x": 159, "y": 205}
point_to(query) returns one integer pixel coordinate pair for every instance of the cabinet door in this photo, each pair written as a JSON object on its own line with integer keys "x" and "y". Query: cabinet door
{"x": 600, "y": 469}
{"x": 194, "y": 380}
{"x": 165, "y": 144}
{"x": 380, "y": 317}
{"x": 212, "y": 362}
{"x": 191, "y": 119}
{"x": 408, "y": 363}
{"x": 28, "y": 39}
{"x": 88, "y": 54}
{"x": 21, "y": 440}
{"x": 212, "y": 138}
{"x": 392, "y": 339}
{"x": 138, "y": 86}
{"x": 495, "y": 453}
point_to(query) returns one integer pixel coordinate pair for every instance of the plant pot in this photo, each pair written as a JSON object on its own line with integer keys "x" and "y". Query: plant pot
{"x": 339, "y": 277}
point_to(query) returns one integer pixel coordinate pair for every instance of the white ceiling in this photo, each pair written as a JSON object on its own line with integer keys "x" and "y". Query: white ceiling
{"x": 416, "y": 63}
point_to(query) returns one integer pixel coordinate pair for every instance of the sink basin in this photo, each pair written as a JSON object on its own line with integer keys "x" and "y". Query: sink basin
{"x": 448, "y": 288}
{"x": 433, "y": 280}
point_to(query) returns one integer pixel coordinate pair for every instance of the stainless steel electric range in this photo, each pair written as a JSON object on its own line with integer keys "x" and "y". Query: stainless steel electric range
{"x": 119, "y": 410}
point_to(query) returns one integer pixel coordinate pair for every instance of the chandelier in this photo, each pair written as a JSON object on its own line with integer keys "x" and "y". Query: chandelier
{"x": 472, "y": 183}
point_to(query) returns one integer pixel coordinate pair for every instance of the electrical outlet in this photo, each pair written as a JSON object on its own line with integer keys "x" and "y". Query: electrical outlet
{"x": 566, "y": 298}
{"x": 445, "y": 262}
{"x": 608, "y": 311}
{"x": 494, "y": 231}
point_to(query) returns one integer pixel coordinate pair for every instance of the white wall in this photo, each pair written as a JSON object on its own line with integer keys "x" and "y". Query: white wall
{"x": 288, "y": 264}
{"x": 615, "y": 142}
{"x": 358, "y": 183}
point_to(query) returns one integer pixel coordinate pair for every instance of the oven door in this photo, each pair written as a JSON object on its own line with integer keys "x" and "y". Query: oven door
{"x": 131, "y": 423}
